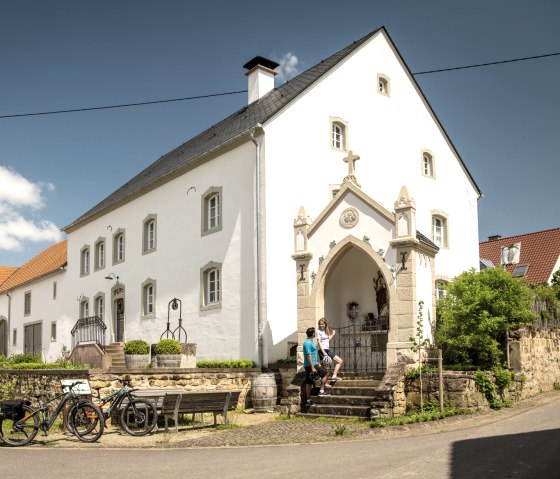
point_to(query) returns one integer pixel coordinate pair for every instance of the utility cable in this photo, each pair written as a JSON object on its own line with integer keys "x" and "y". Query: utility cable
{"x": 155, "y": 102}
{"x": 487, "y": 64}
{"x": 124, "y": 105}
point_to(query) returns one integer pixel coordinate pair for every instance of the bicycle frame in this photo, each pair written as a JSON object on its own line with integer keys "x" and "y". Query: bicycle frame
{"x": 115, "y": 398}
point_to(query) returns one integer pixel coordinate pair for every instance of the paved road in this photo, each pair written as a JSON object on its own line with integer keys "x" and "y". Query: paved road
{"x": 518, "y": 443}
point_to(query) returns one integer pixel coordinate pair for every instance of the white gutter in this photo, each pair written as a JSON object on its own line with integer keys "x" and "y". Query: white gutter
{"x": 260, "y": 320}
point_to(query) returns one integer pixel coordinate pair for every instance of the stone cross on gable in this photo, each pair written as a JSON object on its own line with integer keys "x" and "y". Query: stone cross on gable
{"x": 351, "y": 159}
{"x": 351, "y": 176}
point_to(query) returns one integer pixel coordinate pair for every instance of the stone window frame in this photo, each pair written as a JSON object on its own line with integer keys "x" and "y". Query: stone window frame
{"x": 85, "y": 261}
{"x": 84, "y": 307}
{"x": 149, "y": 283}
{"x": 439, "y": 292}
{"x": 99, "y": 246}
{"x": 428, "y": 158}
{"x": 117, "y": 259}
{"x": 99, "y": 296}
{"x": 205, "y": 272}
{"x": 53, "y": 332}
{"x": 444, "y": 217}
{"x": 205, "y": 203}
{"x": 336, "y": 122}
{"x": 151, "y": 219}
{"x": 383, "y": 85}
{"x": 27, "y": 303}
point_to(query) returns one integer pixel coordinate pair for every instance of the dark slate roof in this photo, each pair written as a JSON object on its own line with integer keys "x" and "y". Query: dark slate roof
{"x": 424, "y": 239}
{"x": 227, "y": 131}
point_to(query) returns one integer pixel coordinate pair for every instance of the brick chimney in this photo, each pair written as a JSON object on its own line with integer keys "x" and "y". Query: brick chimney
{"x": 261, "y": 77}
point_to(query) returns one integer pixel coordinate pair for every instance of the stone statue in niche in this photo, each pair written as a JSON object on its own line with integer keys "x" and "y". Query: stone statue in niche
{"x": 380, "y": 294}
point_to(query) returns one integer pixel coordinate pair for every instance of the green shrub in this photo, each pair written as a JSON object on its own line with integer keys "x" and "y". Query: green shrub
{"x": 502, "y": 378}
{"x": 233, "y": 363}
{"x": 24, "y": 358}
{"x": 136, "y": 346}
{"x": 168, "y": 346}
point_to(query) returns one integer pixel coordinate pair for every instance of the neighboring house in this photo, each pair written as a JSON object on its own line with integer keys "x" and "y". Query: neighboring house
{"x": 535, "y": 256}
{"x": 212, "y": 222}
{"x": 33, "y": 305}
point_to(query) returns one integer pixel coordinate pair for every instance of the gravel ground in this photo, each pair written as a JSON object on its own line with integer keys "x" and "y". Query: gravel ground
{"x": 262, "y": 429}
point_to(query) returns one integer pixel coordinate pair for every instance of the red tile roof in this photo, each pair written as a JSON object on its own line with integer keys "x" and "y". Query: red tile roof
{"x": 539, "y": 250}
{"x": 47, "y": 261}
{"x": 5, "y": 273}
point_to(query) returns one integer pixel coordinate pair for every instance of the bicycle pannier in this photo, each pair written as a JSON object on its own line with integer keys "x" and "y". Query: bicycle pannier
{"x": 14, "y": 409}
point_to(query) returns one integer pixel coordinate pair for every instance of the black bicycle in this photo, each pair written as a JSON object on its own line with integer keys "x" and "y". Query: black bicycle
{"x": 20, "y": 423}
{"x": 138, "y": 417}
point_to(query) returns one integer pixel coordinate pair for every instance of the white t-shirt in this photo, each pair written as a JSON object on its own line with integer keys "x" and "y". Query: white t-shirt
{"x": 323, "y": 338}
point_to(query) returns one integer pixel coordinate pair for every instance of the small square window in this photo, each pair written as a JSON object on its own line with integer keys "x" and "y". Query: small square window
{"x": 383, "y": 84}
{"x": 439, "y": 230}
{"x": 520, "y": 271}
{"x": 211, "y": 286}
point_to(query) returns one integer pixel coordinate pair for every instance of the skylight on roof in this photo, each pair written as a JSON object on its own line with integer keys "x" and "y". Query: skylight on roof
{"x": 520, "y": 271}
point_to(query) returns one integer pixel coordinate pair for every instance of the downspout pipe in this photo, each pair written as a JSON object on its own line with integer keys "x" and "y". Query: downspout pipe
{"x": 260, "y": 319}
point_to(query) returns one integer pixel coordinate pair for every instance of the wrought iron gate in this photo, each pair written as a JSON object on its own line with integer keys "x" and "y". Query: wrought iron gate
{"x": 362, "y": 345}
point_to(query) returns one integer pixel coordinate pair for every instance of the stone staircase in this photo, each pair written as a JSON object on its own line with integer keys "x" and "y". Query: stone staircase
{"x": 116, "y": 352}
{"x": 351, "y": 398}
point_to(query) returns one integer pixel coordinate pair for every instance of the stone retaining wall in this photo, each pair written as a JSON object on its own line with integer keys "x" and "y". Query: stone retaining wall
{"x": 23, "y": 383}
{"x": 537, "y": 355}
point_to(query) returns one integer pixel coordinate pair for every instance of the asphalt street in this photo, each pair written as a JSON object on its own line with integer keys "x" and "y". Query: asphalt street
{"x": 518, "y": 443}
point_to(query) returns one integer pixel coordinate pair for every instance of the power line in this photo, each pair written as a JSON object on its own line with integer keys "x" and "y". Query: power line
{"x": 124, "y": 105}
{"x": 155, "y": 102}
{"x": 487, "y": 64}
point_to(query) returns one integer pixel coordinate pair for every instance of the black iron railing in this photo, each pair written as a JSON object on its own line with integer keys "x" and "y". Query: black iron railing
{"x": 89, "y": 330}
{"x": 362, "y": 345}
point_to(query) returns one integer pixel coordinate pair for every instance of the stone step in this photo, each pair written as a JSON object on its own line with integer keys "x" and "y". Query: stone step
{"x": 342, "y": 400}
{"x": 355, "y": 383}
{"x": 339, "y": 390}
{"x": 339, "y": 410}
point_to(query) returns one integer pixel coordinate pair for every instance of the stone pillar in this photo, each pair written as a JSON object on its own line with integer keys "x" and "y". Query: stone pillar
{"x": 302, "y": 258}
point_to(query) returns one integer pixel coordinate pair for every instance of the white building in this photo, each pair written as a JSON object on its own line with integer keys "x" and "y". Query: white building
{"x": 212, "y": 222}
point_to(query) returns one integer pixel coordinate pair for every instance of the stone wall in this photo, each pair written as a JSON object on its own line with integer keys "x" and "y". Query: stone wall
{"x": 23, "y": 383}
{"x": 390, "y": 398}
{"x": 537, "y": 355}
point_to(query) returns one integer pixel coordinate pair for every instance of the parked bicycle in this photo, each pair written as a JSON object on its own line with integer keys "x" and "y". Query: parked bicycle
{"x": 138, "y": 417}
{"x": 20, "y": 423}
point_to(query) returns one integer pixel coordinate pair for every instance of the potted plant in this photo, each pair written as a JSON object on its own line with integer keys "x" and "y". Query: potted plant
{"x": 136, "y": 354}
{"x": 352, "y": 309}
{"x": 168, "y": 353}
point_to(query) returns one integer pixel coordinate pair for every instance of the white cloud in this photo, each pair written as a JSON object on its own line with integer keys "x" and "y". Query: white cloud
{"x": 288, "y": 66}
{"x": 19, "y": 197}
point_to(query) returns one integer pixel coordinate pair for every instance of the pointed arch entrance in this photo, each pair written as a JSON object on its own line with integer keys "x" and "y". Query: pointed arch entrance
{"x": 353, "y": 273}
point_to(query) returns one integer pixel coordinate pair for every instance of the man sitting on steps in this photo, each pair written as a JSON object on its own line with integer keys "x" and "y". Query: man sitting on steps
{"x": 311, "y": 366}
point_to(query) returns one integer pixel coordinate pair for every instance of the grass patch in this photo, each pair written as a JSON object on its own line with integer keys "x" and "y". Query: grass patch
{"x": 340, "y": 430}
{"x": 416, "y": 417}
{"x": 225, "y": 427}
{"x": 556, "y": 385}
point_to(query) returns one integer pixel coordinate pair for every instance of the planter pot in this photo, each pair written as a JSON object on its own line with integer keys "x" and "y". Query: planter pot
{"x": 168, "y": 360}
{"x": 136, "y": 361}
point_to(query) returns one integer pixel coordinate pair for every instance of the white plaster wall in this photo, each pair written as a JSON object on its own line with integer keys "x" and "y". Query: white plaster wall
{"x": 44, "y": 310}
{"x": 389, "y": 134}
{"x": 225, "y": 333}
{"x": 424, "y": 292}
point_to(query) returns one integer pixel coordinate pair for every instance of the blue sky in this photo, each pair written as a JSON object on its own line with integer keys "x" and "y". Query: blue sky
{"x": 504, "y": 120}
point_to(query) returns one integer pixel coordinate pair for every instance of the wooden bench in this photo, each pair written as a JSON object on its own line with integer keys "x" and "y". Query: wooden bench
{"x": 194, "y": 402}
{"x": 156, "y": 395}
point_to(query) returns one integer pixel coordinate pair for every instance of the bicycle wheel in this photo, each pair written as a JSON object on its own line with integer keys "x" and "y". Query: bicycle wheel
{"x": 22, "y": 432}
{"x": 86, "y": 421}
{"x": 139, "y": 417}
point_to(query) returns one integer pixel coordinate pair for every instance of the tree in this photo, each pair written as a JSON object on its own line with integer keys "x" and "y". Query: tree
{"x": 480, "y": 308}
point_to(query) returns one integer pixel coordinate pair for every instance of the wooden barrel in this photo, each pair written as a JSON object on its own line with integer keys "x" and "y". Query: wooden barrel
{"x": 263, "y": 393}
